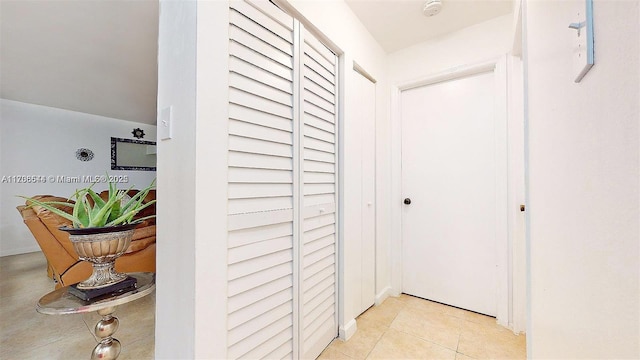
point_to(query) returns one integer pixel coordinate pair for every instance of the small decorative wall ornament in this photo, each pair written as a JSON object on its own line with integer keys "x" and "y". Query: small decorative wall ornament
{"x": 138, "y": 133}
{"x": 84, "y": 154}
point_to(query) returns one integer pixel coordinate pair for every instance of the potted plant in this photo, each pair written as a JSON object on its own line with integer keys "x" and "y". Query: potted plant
{"x": 101, "y": 229}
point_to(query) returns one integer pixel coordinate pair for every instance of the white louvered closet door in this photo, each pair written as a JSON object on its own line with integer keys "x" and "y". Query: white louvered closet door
{"x": 260, "y": 269}
{"x": 281, "y": 187}
{"x": 318, "y": 183}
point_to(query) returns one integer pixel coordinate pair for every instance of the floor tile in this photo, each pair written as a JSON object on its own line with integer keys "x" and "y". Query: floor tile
{"x": 462, "y": 357}
{"x": 398, "y": 345}
{"x": 437, "y": 327}
{"x": 141, "y": 349}
{"x": 362, "y": 342}
{"x": 489, "y": 341}
{"x": 330, "y": 353}
{"x": 384, "y": 313}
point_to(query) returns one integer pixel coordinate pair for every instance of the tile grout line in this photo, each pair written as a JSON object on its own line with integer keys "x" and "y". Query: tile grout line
{"x": 377, "y": 341}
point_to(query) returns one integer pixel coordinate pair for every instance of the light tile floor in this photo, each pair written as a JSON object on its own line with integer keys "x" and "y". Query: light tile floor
{"x": 408, "y": 327}
{"x": 26, "y": 334}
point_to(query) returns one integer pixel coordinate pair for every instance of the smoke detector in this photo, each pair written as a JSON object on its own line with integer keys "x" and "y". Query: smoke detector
{"x": 431, "y": 7}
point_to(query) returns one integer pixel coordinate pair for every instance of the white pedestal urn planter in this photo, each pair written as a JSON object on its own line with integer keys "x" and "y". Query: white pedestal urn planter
{"x": 101, "y": 246}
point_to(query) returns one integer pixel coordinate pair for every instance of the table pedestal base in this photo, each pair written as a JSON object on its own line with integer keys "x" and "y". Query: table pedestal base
{"x": 108, "y": 348}
{"x": 62, "y": 302}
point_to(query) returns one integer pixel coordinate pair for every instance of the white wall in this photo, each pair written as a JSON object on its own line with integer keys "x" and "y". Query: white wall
{"x": 42, "y": 141}
{"x": 583, "y": 160}
{"x": 336, "y": 21}
{"x": 192, "y": 181}
{"x": 478, "y": 43}
{"x": 175, "y": 243}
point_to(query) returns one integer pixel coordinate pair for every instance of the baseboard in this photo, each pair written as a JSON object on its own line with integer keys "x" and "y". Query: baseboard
{"x": 346, "y": 332}
{"x": 383, "y": 295}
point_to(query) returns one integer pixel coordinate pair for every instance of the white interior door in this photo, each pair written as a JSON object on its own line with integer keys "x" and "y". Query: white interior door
{"x": 449, "y": 174}
{"x": 366, "y": 114}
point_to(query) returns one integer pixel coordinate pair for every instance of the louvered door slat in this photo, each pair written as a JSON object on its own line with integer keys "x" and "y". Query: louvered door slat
{"x": 318, "y": 79}
{"x": 241, "y": 24}
{"x": 319, "y": 265}
{"x": 250, "y": 346}
{"x": 243, "y": 53}
{"x": 316, "y": 313}
{"x": 267, "y": 8}
{"x": 318, "y": 134}
{"x": 240, "y": 66}
{"x": 316, "y": 166}
{"x": 259, "y": 46}
{"x": 256, "y": 117}
{"x": 261, "y": 130}
{"x": 282, "y": 352}
{"x": 310, "y": 143}
{"x": 259, "y": 146}
{"x": 240, "y": 206}
{"x": 240, "y": 223}
{"x": 315, "y": 245}
{"x": 242, "y": 191}
{"x": 248, "y": 85}
{"x": 265, "y": 349}
{"x": 269, "y": 106}
{"x": 267, "y": 261}
{"x": 258, "y": 278}
{"x": 256, "y": 309}
{"x": 317, "y": 189}
{"x": 318, "y": 233}
{"x": 258, "y": 249}
{"x": 262, "y": 19}
{"x": 318, "y": 68}
{"x": 258, "y": 176}
{"x": 236, "y": 334}
{"x": 320, "y": 124}
{"x": 249, "y": 297}
{"x": 259, "y": 161}
{"x": 319, "y": 112}
{"x": 314, "y": 56}
{"x": 319, "y": 101}
{"x": 319, "y": 47}
{"x": 319, "y": 90}
{"x": 322, "y": 156}
{"x": 319, "y": 178}
{"x": 316, "y": 289}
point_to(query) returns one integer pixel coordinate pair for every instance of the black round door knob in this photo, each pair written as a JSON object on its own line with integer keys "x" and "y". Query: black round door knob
{"x": 407, "y": 201}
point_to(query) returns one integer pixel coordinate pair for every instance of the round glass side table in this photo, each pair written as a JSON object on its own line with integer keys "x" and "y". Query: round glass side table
{"x": 61, "y": 302}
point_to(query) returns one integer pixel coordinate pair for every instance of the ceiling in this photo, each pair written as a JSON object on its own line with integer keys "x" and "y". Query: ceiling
{"x": 397, "y": 24}
{"x": 96, "y": 57}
